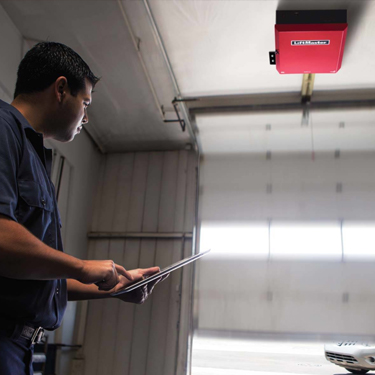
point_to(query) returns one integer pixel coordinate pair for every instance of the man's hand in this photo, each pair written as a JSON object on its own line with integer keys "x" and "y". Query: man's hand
{"x": 25, "y": 257}
{"x": 77, "y": 291}
{"x": 140, "y": 294}
{"x": 104, "y": 273}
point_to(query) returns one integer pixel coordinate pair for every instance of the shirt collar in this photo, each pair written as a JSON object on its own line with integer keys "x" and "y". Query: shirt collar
{"x": 16, "y": 113}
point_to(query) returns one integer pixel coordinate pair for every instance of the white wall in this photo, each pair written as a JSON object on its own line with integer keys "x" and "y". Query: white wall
{"x": 143, "y": 192}
{"x": 289, "y": 296}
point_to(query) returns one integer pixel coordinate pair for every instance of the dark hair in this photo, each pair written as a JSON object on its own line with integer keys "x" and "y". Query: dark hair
{"x": 46, "y": 62}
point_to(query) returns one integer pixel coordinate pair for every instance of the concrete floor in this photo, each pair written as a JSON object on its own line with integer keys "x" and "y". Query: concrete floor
{"x": 259, "y": 355}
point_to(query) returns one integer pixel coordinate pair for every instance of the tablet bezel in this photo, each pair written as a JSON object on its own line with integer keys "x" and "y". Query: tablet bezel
{"x": 163, "y": 272}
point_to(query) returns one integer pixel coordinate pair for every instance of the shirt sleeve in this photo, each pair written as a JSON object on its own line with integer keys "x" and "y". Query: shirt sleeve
{"x": 10, "y": 156}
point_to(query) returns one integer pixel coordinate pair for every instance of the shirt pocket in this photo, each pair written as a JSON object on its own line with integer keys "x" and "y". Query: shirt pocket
{"x": 35, "y": 195}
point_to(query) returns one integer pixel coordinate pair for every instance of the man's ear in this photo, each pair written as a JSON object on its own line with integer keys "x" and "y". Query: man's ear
{"x": 61, "y": 88}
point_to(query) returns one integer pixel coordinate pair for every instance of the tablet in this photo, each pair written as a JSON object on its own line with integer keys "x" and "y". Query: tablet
{"x": 163, "y": 272}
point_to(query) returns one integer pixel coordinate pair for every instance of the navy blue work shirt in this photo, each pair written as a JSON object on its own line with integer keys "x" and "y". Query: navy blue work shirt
{"x": 27, "y": 196}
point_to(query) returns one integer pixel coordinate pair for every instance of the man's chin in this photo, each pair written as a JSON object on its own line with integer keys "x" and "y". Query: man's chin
{"x": 72, "y": 137}
{"x": 65, "y": 138}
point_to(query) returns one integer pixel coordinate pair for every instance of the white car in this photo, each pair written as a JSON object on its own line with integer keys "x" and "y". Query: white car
{"x": 355, "y": 357}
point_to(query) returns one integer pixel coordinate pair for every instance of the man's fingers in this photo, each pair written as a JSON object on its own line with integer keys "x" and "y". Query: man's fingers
{"x": 104, "y": 285}
{"x": 150, "y": 271}
{"x": 123, "y": 283}
{"x": 122, "y": 271}
{"x": 109, "y": 283}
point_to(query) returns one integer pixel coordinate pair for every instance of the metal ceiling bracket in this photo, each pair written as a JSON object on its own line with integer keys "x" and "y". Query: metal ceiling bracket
{"x": 182, "y": 100}
{"x": 272, "y": 57}
{"x": 179, "y": 119}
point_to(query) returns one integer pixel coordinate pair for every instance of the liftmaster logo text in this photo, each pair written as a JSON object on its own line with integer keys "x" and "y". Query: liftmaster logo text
{"x": 309, "y": 42}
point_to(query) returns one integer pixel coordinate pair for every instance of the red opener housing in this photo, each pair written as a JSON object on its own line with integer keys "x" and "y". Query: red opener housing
{"x": 310, "y": 47}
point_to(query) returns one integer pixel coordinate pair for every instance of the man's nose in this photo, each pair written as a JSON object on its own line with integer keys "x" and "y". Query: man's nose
{"x": 85, "y": 119}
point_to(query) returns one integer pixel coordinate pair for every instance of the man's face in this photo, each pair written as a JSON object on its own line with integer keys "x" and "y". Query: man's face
{"x": 72, "y": 114}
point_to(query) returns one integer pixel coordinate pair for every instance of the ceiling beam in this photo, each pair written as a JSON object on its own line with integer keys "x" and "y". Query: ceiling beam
{"x": 307, "y": 87}
{"x": 333, "y": 99}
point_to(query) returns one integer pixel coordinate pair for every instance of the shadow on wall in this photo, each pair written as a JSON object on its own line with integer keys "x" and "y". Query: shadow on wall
{"x": 356, "y": 9}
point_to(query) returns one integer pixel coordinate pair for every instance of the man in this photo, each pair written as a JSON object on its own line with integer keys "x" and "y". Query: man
{"x": 52, "y": 94}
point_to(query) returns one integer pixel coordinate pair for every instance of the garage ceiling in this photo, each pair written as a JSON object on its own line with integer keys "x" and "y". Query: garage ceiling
{"x": 221, "y": 47}
{"x": 218, "y": 52}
